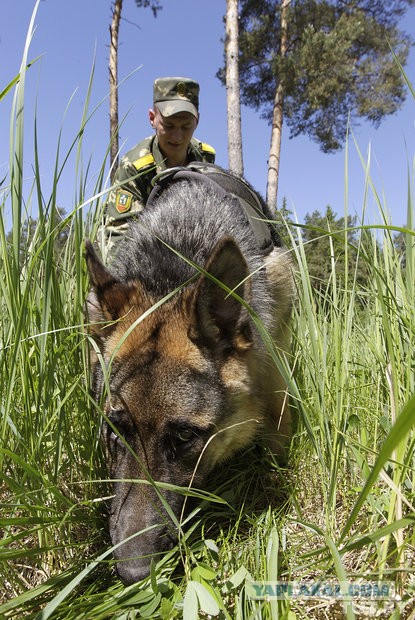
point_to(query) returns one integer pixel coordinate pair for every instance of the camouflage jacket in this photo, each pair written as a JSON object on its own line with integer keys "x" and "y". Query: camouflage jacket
{"x": 135, "y": 173}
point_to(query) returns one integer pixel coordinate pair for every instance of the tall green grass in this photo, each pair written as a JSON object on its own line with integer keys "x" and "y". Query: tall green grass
{"x": 343, "y": 510}
{"x": 49, "y": 442}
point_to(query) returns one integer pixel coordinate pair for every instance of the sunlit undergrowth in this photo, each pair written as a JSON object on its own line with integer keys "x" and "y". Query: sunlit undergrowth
{"x": 342, "y": 511}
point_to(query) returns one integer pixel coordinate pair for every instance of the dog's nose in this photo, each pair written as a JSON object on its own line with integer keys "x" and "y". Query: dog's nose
{"x": 132, "y": 571}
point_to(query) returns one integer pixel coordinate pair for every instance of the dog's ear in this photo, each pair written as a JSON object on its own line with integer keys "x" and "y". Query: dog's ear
{"x": 109, "y": 298}
{"x": 217, "y": 317}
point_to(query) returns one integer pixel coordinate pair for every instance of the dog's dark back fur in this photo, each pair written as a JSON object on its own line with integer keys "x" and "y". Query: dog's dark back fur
{"x": 191, "y": 384}
{"x": 191, "y": 218}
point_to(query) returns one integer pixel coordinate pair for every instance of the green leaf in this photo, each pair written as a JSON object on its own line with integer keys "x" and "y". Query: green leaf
{"x": 237, "y": 578}
{"x": 153, "y": 577}
{"x": 203, "y": 571}
{"x": 148, "y": 610}
{"x": 211, "y": 545}
{"x": 207, "y": 601}
{"x": 167, "y": 609}
{"x": 15, "y": 80}
{"x": 272, "y": 555}
{"x": 190, "y": 603}
{"x": 402, "y": 426}
{"x": 371, "y": 537}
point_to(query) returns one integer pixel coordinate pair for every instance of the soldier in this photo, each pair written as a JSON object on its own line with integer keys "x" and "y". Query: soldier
{"x": 174, "y": 117}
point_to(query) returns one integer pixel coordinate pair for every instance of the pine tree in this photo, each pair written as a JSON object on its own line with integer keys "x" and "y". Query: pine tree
{"x": 316, "y": 64}
{"x": 235, "y": 155}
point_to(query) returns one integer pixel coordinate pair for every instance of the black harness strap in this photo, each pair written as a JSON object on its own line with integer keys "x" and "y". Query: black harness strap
{"x": 225, "y": 185}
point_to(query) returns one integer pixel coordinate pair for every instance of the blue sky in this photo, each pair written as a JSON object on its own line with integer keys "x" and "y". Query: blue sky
{"x": 184, "y": 39}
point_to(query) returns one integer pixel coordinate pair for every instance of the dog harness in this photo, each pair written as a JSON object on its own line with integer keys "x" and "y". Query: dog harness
{"x": 224, "y": 184}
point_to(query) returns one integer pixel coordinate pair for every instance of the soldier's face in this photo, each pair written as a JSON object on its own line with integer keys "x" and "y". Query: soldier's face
{"x": 174, "y": 134}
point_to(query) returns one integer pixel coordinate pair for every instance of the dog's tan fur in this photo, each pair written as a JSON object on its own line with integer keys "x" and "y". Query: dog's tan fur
{"x": 191, "y": 384}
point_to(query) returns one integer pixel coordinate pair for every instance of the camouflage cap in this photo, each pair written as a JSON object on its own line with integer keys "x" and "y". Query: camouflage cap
{"x": 176, "y": 94}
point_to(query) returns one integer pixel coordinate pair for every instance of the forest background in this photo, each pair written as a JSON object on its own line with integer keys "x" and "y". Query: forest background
{"x": 186, "y": 38}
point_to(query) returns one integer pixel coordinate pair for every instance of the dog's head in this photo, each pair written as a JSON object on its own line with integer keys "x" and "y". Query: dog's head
{"x": 178, "y": 399}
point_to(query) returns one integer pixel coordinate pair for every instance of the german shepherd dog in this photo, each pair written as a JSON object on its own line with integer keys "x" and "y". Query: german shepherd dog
{"x": 190, "y": 381}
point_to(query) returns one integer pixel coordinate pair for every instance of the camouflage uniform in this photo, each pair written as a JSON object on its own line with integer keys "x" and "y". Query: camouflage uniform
{"x": 136, "y": 171}
{"x": 140, "y": 165}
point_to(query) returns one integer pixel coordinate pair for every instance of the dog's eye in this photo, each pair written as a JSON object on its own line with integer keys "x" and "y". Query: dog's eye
{"x": 185, "y": 435}
{"x": 185, "y": 442}
{"x": 119, "y": 424}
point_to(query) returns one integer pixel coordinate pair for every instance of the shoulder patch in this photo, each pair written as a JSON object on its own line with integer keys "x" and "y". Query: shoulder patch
{"x": 123, "y": 201}
{"x": 144, "y": 161}
{"x": 207, "y": 148}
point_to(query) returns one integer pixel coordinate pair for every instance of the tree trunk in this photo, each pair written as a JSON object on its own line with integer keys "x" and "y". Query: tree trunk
{"x": 277, "y": 119}
{"x": 113, "y": 76}
{"x": 235, "y": 158}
